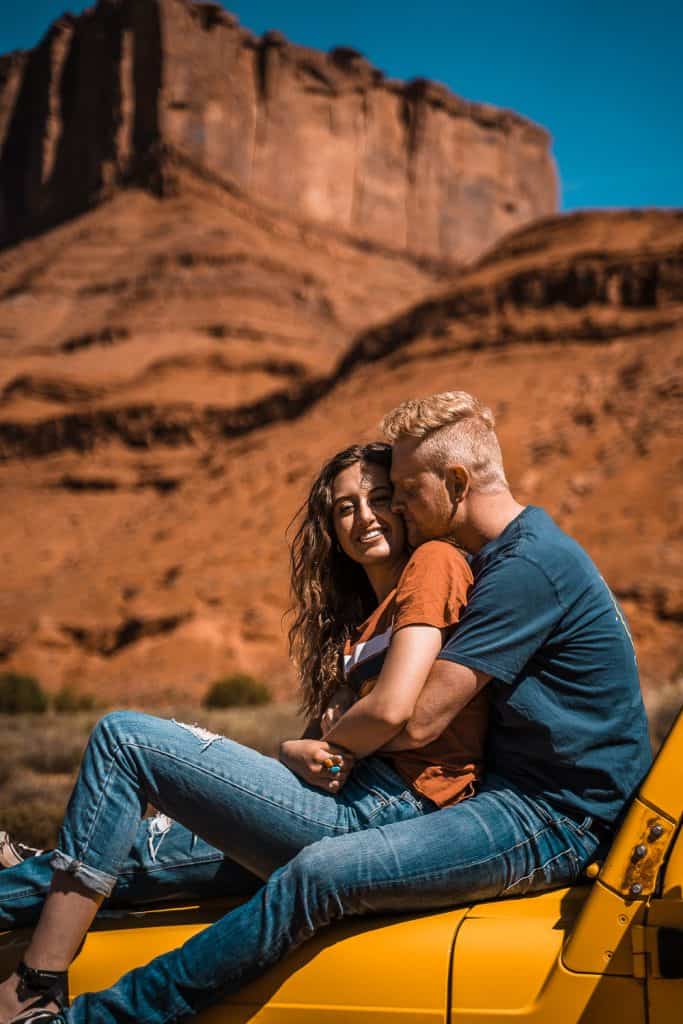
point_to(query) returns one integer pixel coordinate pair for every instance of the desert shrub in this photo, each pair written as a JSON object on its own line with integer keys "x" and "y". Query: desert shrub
{"x": 236, "y": 691}
{"x": 20, "y": 693}
{"x": 69, "y": 699}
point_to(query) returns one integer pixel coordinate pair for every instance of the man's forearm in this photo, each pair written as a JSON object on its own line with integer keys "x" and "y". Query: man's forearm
{"x": 449, "y": 688}
{"x": 401, "y": 741}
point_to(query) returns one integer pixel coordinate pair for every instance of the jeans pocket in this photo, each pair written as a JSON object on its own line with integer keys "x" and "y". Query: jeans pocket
{"x": 386, "y": 797}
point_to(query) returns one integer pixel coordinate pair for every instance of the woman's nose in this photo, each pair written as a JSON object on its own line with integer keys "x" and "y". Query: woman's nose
{"x": 365, "y": 512}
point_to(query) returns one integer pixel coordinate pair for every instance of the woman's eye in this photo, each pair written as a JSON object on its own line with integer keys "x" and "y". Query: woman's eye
{"x": 383, "y": 499}
{"x": 345, "y": 510}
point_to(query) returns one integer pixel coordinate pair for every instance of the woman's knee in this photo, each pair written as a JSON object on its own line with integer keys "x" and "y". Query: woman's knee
{"x": 120, "y": 724}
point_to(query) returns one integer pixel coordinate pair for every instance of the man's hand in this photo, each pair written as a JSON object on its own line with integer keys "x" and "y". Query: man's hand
{"x": 312, "y": 760}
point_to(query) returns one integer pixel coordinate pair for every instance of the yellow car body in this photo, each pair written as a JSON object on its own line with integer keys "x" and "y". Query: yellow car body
{"x": 607, "y": 950}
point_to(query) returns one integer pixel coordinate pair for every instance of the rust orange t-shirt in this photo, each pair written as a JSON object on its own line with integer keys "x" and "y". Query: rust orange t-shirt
{"x": 431, "y": 591}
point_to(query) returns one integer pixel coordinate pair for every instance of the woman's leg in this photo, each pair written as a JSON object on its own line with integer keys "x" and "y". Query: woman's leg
{"x": 249, "y": 805}
{"x": 164, "y": 863}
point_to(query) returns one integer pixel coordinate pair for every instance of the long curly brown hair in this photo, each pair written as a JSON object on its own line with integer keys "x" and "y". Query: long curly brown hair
{"x": 331, "y": 594}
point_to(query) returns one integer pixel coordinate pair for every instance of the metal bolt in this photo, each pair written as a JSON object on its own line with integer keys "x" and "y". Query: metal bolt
{"x": 608, "y": 954}
{"x": 640, "y": 851}
{"x": 622, "y": 919}
{"x": 636, "y": 889}
{"x": 656, "y": 832}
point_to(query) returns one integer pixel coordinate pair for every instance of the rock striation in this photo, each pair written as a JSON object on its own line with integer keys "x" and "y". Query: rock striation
{"x": 132, "y": 89}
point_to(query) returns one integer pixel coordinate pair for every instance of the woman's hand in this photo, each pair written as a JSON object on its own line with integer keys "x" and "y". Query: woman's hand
{"x": 314, "y": 761}
{"x": 340, "y": 702}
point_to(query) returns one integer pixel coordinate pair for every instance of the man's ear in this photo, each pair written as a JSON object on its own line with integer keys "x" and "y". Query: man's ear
{"x": 457, "y": 483}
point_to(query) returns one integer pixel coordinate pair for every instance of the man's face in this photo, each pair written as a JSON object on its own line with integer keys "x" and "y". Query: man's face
{"x": 420, "y": 494}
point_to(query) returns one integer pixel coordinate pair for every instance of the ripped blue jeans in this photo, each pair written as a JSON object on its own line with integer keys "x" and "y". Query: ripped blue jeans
{"x": 166, "y": 861}
{"x": 243, "y": 803}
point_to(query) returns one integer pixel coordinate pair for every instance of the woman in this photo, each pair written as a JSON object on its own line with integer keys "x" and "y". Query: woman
{"x": 357, "y": 592}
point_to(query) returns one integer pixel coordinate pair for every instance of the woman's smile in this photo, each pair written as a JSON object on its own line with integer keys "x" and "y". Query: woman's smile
{"x": 372, "y": 535}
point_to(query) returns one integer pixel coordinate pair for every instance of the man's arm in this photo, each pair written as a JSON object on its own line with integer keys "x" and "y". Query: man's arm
{"x": 448, "y": 689}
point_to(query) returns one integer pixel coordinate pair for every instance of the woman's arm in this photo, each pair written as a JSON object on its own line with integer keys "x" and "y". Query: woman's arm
{"x": 374, "y": 719}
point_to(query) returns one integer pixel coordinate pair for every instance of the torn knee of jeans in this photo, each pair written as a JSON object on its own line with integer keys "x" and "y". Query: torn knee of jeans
{"x": 157, "y": 828}
{"x": 201, "y": 733}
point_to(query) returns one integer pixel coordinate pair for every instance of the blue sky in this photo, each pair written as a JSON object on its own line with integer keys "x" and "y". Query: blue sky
{"x": 603, "y": 76}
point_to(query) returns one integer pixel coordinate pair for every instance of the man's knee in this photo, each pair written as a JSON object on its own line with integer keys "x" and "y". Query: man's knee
{"x": 326, "y": 878}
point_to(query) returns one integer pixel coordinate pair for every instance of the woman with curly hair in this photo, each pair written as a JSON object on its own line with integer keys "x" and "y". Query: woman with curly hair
{"x": 369, "y": 621}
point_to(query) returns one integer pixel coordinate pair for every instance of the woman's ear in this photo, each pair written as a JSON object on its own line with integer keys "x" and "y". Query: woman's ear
{"x": 457, "y": 483}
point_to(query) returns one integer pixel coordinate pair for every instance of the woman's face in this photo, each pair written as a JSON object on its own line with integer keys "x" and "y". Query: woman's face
{"x": 366, "y": 528}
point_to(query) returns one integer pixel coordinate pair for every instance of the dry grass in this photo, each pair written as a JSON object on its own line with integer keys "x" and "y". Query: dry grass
{"x": 40, "y": 754}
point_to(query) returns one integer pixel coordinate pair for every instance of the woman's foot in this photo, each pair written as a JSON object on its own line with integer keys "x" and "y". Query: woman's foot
{"x": 30, "y": 995}
{"x": 40, "y": 1016}
{"x": 13, "y": 852}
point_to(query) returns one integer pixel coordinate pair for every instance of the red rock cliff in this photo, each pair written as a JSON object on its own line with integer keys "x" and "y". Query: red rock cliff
{"x": 121, "y": 93}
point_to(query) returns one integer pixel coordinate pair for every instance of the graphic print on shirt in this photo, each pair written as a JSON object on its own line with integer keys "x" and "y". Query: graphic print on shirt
{"x": 620, "y": 616}
{"x": 366, "y": 659}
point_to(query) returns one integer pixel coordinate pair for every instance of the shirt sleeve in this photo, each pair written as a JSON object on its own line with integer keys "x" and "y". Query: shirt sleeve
{"x": 513, "y": 609}
{"x": 433, "y": 588}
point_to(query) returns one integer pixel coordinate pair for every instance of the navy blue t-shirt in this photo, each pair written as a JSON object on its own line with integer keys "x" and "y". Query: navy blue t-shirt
{"x": 567, "y": 719}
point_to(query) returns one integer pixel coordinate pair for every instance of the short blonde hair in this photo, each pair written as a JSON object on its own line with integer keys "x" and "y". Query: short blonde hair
{"x": 452, "y": 426}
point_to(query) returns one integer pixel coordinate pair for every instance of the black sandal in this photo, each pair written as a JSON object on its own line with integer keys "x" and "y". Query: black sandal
{"x": 47, "y": 987}
{"x": 39, "y": 1016}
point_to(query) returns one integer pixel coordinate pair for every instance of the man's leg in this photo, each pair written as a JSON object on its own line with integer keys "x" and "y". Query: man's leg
{"x": 163, "y": 863}
{"x": 494, "y": 844}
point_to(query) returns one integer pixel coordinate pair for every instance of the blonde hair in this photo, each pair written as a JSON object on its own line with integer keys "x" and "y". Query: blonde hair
{"x": 452, "y": 426}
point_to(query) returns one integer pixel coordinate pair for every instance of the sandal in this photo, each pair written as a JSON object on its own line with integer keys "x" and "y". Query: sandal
{"x": 12, "y": 852}
{"x": 39, "y": 1016}
{"x": 46, "y": 987}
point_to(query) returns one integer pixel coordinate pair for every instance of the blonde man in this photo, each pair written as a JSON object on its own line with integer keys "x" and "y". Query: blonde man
{"x": 568, "y": 735}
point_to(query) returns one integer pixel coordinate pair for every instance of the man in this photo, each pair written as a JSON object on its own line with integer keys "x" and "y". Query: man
{"x": 568, "y": 742}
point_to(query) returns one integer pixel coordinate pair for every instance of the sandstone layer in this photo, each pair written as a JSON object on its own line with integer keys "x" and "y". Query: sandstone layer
{"x": 155, "y": 320}
{"x": 143, "y": 563}
{"x": 133, "y": 89}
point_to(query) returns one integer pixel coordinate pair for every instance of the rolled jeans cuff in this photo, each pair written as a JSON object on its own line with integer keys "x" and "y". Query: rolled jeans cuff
{"x": 98, "y": 881}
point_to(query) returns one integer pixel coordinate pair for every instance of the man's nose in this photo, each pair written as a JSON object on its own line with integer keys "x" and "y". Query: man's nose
{"x": 397, "y": 502}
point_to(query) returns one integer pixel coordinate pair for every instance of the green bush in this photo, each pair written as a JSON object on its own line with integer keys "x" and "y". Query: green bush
{"x": 21, "y": 693}
{"x": 236, "y": 691}
{"x": 68, "y": 699}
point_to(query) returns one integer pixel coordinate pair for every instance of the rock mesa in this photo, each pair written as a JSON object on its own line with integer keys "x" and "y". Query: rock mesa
{"x": 131, "y": 88}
